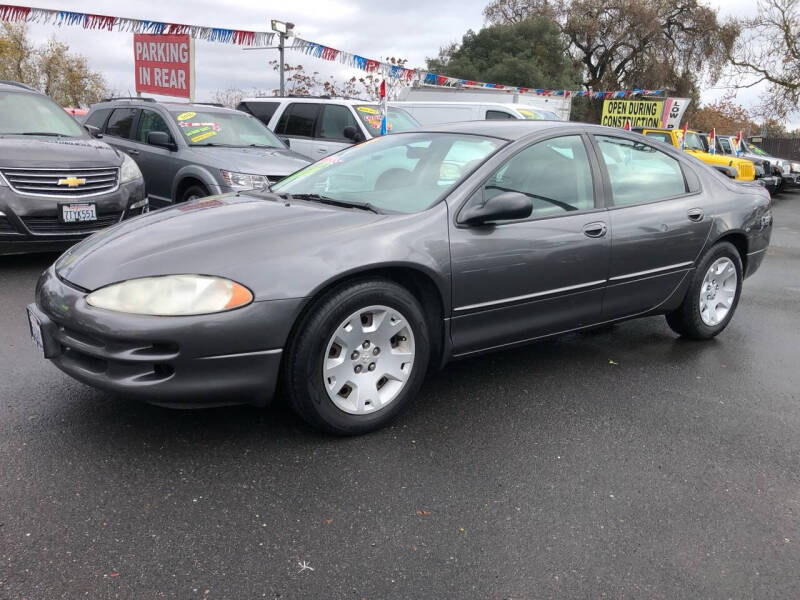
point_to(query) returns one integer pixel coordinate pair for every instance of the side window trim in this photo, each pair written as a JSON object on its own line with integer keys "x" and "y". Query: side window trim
{"x": 597, "y": 184}
{"x": 609, "y": 194}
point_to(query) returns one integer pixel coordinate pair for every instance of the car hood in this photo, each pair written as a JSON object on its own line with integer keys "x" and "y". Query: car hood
{"x": 256, "y": 161}
{"x": 276, "y": 248}
{"x": 53, "y": 152}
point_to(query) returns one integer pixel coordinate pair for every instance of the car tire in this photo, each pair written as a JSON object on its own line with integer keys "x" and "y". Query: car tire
{"x": 194, "y": 192}
{"x": 713, "y": 295}
{"x": 358, "y": 358}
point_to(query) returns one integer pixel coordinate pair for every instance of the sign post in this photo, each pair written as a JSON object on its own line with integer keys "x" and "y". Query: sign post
{"x": 164, "y": 65}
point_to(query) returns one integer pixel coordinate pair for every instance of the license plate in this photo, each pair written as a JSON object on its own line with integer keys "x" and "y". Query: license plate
{"x": 36, "y": 329}
{"x": 78, "y": 213}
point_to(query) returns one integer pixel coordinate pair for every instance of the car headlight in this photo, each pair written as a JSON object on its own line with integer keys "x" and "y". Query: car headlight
{"x": 129, "y": 170}
{"x": 171, "y": 295}
{"x": 244, "y": 181}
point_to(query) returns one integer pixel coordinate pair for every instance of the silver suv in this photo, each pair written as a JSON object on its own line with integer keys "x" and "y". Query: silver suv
{"x": 318, "y": 127}
{"x": 188, "y": 151}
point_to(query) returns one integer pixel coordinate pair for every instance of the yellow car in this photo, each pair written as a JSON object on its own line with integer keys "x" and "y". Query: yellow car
{"x": 737, "y": 168}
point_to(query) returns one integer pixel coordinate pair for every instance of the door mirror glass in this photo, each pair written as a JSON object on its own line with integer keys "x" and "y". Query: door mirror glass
{"x": 507, "y": 206}
{"x": 351, "y": 133}
{"x": 160, "y": 139}
{"x": 93, "y": 131}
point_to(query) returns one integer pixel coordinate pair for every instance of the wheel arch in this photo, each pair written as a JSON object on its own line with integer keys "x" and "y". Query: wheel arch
{"x": 191, "y": 175}
{"x": 418, "y": 281}
{"x": 739, "y": 241}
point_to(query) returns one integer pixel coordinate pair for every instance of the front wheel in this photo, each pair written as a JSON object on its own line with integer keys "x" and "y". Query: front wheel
{"x": 194, "y": 192}
{"x": 359, "y": 357}
{"x": 712, "y": 296}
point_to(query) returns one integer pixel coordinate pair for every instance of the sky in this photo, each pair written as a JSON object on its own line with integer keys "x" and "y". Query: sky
{"x": 412, "y": 29}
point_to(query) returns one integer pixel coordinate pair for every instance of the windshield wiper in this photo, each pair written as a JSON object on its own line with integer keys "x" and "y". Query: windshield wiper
{"x": 48, "y": 133}
{"x": 335, "y": 202}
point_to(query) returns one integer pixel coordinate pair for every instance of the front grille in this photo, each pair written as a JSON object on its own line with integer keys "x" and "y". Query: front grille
{"x": 747, "y": 170}
{"x": 74, "y": 183}
{"x": 5, "y": 226}
{"x": 52, "y": 225}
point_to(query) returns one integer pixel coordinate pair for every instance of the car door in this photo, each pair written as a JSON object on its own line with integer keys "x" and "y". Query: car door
{"x": 658, "y": 224}
{"x": 518, "y": 280}
{"x": 329, "y": 136}
{"x": 159, "y": 165}
{"x": 298, "y": 122}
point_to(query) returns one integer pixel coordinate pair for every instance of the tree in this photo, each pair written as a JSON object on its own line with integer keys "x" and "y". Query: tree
{"x": 626, "y": 43}
{"x": 528, "y": 53}
{"x": 299, "y": 81}
{"x": 767, "y": 49}
{"x": 51, "y": 68}
{"x": 725, "y": 115}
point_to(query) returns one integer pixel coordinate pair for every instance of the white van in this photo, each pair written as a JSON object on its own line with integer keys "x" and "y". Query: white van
{"x": 432, "y": 113}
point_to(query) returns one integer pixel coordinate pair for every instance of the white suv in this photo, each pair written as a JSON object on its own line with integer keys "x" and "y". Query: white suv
{"x": 319, "y": 126}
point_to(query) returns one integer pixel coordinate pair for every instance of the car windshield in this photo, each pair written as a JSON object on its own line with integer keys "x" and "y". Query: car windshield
{"x": 218, "y": 128}
{"x": 693, "y": 141}
{"x": 399, "y": 120}
{"x": 403, "y": 173}
{"x": 753, "y": 149}
{"x": 34, "y": 114}
{"x": 537, "y": 114}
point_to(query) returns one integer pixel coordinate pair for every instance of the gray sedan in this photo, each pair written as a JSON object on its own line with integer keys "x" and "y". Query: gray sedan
{"x": 353, "y": 277}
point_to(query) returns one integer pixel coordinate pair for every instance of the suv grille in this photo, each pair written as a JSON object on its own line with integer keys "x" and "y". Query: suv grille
{"x": 67, "y": 183}
{"x": 52, "y": 225}
{"x": 5, "y": 226}
{"x": 746, "y": 171}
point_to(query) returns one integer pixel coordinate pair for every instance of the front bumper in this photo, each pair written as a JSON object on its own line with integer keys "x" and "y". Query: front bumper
{"x": 30, "y": 223}
{"x": 207, "y": 360}
{"x": 791, "y": 178}
{"x": 769, "y": 182}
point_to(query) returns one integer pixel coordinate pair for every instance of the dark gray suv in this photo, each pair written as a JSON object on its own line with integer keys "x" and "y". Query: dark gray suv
{"x": 188, "y": 151}
{"x": 57, "y": 184}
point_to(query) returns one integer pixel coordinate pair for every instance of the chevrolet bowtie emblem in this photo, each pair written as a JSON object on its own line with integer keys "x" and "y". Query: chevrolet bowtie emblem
{"x": 71, "y": 181}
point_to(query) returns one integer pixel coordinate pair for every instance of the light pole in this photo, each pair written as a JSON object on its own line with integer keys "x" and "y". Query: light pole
{"x": 284, "y": 30}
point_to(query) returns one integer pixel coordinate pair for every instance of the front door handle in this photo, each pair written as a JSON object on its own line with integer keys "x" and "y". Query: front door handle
{"x": 695, "y": 214}
{"x": 133, "y": 152}
{"x": 321, "y": 150}
{"x": 595, "y": 230}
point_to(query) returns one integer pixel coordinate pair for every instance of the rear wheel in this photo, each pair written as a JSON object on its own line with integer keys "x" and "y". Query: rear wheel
{"x": 194, "y": 192}
{"x": 712, "y": 296}
{"x": 359, "y": 357}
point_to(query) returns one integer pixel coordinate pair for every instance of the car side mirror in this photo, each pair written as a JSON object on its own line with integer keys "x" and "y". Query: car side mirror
{"x": 161, "y": 139}
{"x": 93, "y": 131}
{"x": 507, "y": 206}
{"x": 351, "y": 133}
{"x": 286, "y": 141}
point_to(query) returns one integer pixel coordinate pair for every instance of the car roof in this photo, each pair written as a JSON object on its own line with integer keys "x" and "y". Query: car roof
{"x": 352, "y": 101}
{"x": 512, "y": 129}
{"x": 16, "y": 86}
{"x": 170, "y": 106}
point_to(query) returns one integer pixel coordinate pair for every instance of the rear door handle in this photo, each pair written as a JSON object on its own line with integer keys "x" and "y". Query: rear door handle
{"x": 595, "y": 230}
{"x": 321, "y": 150}
{"x": 695, "y": 214}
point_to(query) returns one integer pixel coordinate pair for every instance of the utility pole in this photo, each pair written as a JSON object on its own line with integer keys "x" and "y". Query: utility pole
{"x": 283, "y": 30}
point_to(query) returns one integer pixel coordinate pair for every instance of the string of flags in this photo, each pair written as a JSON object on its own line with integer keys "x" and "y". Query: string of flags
{"x": 11, "y": 13}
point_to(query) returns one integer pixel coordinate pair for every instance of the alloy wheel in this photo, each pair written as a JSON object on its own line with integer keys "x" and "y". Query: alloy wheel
{"x": 718, "y": 291}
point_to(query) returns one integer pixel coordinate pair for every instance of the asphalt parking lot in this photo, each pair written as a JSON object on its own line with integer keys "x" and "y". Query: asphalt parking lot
{"x": 620, "y": 463}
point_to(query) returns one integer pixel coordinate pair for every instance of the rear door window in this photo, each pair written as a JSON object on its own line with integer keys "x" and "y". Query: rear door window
{"x": 120, "y": 122}
{"x": 497, "y": 115}
{"x": 299, "y": 119}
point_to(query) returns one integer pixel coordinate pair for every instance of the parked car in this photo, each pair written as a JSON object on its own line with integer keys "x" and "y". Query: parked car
{"x": 318, "y": 127}
{"x": 188, "y": 151}
{"x": 735, "y": 168}
{"x": 432, "y": 113}
{"x": 57, "y": 184}
{"x": 787, "y": 170}
{"x": 727, "y": 145}
{"x": 355, "y": 275}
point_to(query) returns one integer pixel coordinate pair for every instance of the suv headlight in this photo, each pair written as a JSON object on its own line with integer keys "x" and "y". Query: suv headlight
{"x": 795, "y": 167}
{"x": 129, "y": 170}
{"x": 172, "y": 295}
{"x": 244, "y": 181}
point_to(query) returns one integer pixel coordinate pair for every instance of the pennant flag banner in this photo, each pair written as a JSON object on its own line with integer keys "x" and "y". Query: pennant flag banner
{"x": 13, "y": 14}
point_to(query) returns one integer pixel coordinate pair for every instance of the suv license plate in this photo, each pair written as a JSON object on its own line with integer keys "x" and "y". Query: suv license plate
{"x": 78, "y": 213}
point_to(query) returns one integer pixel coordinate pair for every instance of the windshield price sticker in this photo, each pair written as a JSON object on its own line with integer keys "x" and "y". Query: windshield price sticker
{"x": 368, "y": 110}
{"x": 186, "y": 115}
{"x": 204, "y": 136}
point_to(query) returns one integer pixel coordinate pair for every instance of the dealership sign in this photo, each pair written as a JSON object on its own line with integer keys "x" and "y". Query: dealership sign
{"x": 640, "y": 113}
{"x": 673, "y": 112}
{"x": 164, "y": 64}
